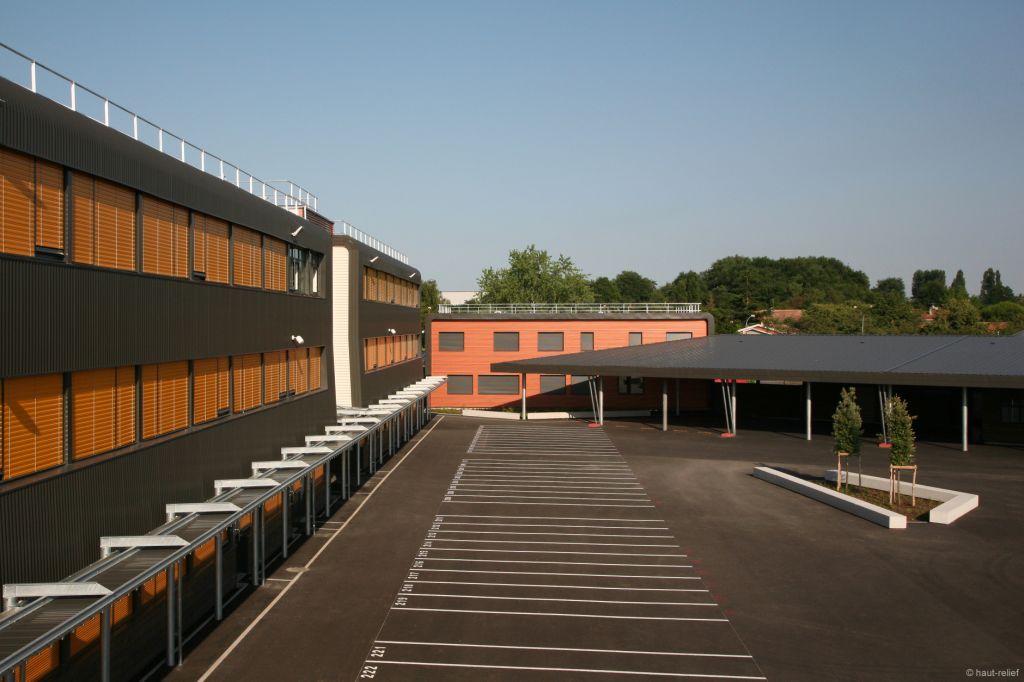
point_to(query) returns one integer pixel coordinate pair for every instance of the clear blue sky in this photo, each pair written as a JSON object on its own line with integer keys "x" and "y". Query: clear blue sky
{"x": 652, "y": 136}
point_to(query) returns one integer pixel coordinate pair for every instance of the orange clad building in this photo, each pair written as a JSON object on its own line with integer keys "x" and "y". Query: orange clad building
{"x": 465, "y": 340}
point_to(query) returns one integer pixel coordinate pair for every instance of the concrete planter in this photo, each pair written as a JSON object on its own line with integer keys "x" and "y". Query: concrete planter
{"x": 954, "y": 503}
{"x": 873, "y": 513}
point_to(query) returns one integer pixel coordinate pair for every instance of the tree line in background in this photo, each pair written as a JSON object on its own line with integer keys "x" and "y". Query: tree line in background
{"x": 833, "y": 297}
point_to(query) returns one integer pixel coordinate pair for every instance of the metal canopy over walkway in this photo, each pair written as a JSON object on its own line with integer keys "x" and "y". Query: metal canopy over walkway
{"x": 135, "y": 570}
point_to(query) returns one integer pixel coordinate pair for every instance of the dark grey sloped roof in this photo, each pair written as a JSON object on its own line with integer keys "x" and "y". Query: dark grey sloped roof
{"x": 973, "y": 361}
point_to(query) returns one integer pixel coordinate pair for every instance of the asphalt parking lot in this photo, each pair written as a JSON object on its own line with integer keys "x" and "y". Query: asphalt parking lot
{"x": 553, "y": 551}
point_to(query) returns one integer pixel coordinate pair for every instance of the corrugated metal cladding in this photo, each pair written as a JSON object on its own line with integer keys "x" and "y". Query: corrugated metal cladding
{"x": 52, "y": 528}
{"x": 66, "y": 317}
{"x": 35, "y": 125}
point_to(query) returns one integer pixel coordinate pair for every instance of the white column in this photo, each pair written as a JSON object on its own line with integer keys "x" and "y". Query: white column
{"x": 664, "y": 404}
{"x": 600, "y": 400}
{"x": 808, "y": 385}
{"x": 522, "y": 414}
{"x": 733, "y": 398}
{"x": 963, "y": 416}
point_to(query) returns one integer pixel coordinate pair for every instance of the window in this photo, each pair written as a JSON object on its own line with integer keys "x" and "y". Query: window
{"x": 678, "y": 336}
{"x": 275, "y": 264}
{"x": 1013, "y": 411}
{"x": 460, "y": 384}
{"x": 383, "y": 287}
{"x": 164, "y": 238}
{"x": 102, "y": 411}
{"x": 314, "y": 368}
{"x": 210, "y": 389}
{"x": 451, "y": 341}
{"x": 579, "y": 385}
{"x": 384, "y": 351}
{"x": 506, "y": 341}
{"x": 33, "y": 424}
{"x": 49, "y": 200}
{"x": 211, "y": 248}
{"x": 636, "y": 338}
{"x": 586, "y": 340}
{"x": 631, "y": 385}
{"x": 245, "y": 248}
{"x": 553, "y": 384}
{"x": 275, "y": 376}
{"x": 549, "y": 341}
{"x": 303, "y": 270}
{"x": 298, "y": 370}
{"x": 17, "y": 173}
{"x": 245, "y": 375}
{"x": 103, "y": 221}
{"x": 498, "y": 384}
{"x": 164, "y": 398}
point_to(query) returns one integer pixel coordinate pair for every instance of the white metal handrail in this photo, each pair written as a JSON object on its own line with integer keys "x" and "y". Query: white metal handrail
{"x": 566, "y": 308}
{"x": 103, "y": 110}
{"x": 349, "y": 230}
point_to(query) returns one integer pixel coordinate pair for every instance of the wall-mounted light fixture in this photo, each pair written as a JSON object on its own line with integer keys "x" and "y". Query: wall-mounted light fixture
{"x": 297, "y": 230}
{"x": 298, "y": 340}
{"x": 374, "y": 259}
{"x": 392, "y": 331}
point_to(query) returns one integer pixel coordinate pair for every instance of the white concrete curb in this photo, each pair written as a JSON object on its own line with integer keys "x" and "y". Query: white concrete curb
{"x": 537, "y": 416}
{"x": 875, "y": 514}
{"x": 954, "y": 503}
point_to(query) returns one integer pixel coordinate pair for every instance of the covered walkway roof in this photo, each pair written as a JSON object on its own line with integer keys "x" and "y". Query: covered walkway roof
{"x": 963, "y": 361}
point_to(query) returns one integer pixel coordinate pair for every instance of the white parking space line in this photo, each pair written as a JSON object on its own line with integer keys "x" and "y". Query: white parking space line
{"x": 562, "y": 648}
{"x": 552, "y": 518}
{"x": 548, "y": 525}
{"x": 563, "y": 615}
{"x": 588, "y": 575}
{"x": 596, "y": 671}
{"x": 562, "y": 563}
{"x": 557, "y": 599}
{"x": 560, "y": 544}
{"x": 559, "y": 586}
{"x": 554, "y": 504}
{"x": 593, "y": 535}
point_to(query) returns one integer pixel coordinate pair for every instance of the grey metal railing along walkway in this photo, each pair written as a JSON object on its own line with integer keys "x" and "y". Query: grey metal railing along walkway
{"x": 349, "y": 230}
{"x": 565, "y": 308}
{"x": 42, "y": 615}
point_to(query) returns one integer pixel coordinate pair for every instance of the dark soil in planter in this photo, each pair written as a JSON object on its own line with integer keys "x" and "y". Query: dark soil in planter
{"x": 901, "y": 504}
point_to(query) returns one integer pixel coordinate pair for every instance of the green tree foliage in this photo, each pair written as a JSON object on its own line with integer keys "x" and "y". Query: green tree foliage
{"x": 958, "y": 288}
{"x": 1010, "y": 312}
{"x": 890, "y": 287}
{"x": 901, "y": 432}
{"x": 928, "y": 287}
{"x": 992, "y": 288}
{"x": 958, "y": 316}
{"x": 533, "y": 276}
{"x": 605, "y": 291}
{"x": 834, "y": 318}
{"x": 635, "y": 288}
{"x": 846, "y": 423}
{"x": 430, "y": 298}
{"x": 687, "y": 287}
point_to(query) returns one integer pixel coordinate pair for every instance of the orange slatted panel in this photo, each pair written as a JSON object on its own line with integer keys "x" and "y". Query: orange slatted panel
{"x": 41, "y": 664}
{"x": 204, "y": 390}
{"x": 205, "y": 551}
{"x": 122, "y": 608}
{"x": 246, "y": 382}
{"x": 83, "y": 223}
{"x": 179, "y": 240}
{"x": 382, "y": 352}
{"x": 223, "y": 384}
{"x": 17, "y": 190}
{"x": 49, "y": 205}
{"x": 314, "y": 368}
{"x": 157, "y": 236}
{"x": 273, "y": 504}
{"x": 273, "y": 376}
{"x": 275, "y": 264}
{"x": 247, "y": 257}
{"x": 85, "y": 634}
{"x": 150, "y": 401}
{"x": 33, "y": 415}
{"x": 153, "y": 587}
{"x": 173, "y": 396}
{"x": 199, "y": 243}
{"x": 115, "y": 226}
{"x": 218, "y": 246}
{"x": 125, "y": 434}
{"x": 93, "y": 412}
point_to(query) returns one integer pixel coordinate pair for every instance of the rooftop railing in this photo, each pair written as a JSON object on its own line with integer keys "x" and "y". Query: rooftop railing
{"x": 350, "y": 230}
{"x": 42, "y": 80}
{"x": 564, "y": 308}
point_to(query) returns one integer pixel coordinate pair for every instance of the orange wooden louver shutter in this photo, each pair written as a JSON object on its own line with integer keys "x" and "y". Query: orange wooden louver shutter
{"x": 164, "y": 238}
{"x": 273, "y": 376}
{"x": 164, "y": 398}
{"x": 223, "y": 384}
{"x": 83, "y": 224}
{"x": 115, "y": 226}
{"x": 33, "y": 414}
{"x": 93, "y": 412}
{"x": 314, "y": 368}
{"x": 199, "y": 243}
{"x": 17, "y": 182}
{"x": 275, "y": 264}
{"x": 49, "y": 206}
{"x": 247, "y": 257}
{"x": 150, "y": 401}
{"x": 217, "y": 250}
{"x": 41, "y": 664}
{"x": 125, "y": 433}
{"x": 204, "y": 390}
{"x": 246, "y": 382}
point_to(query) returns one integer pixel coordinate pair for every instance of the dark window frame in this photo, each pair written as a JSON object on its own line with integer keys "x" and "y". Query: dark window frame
{"x": 506, "y": 336}
{"x": 441, "y": 342}
{"x": 542, "y": 336}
